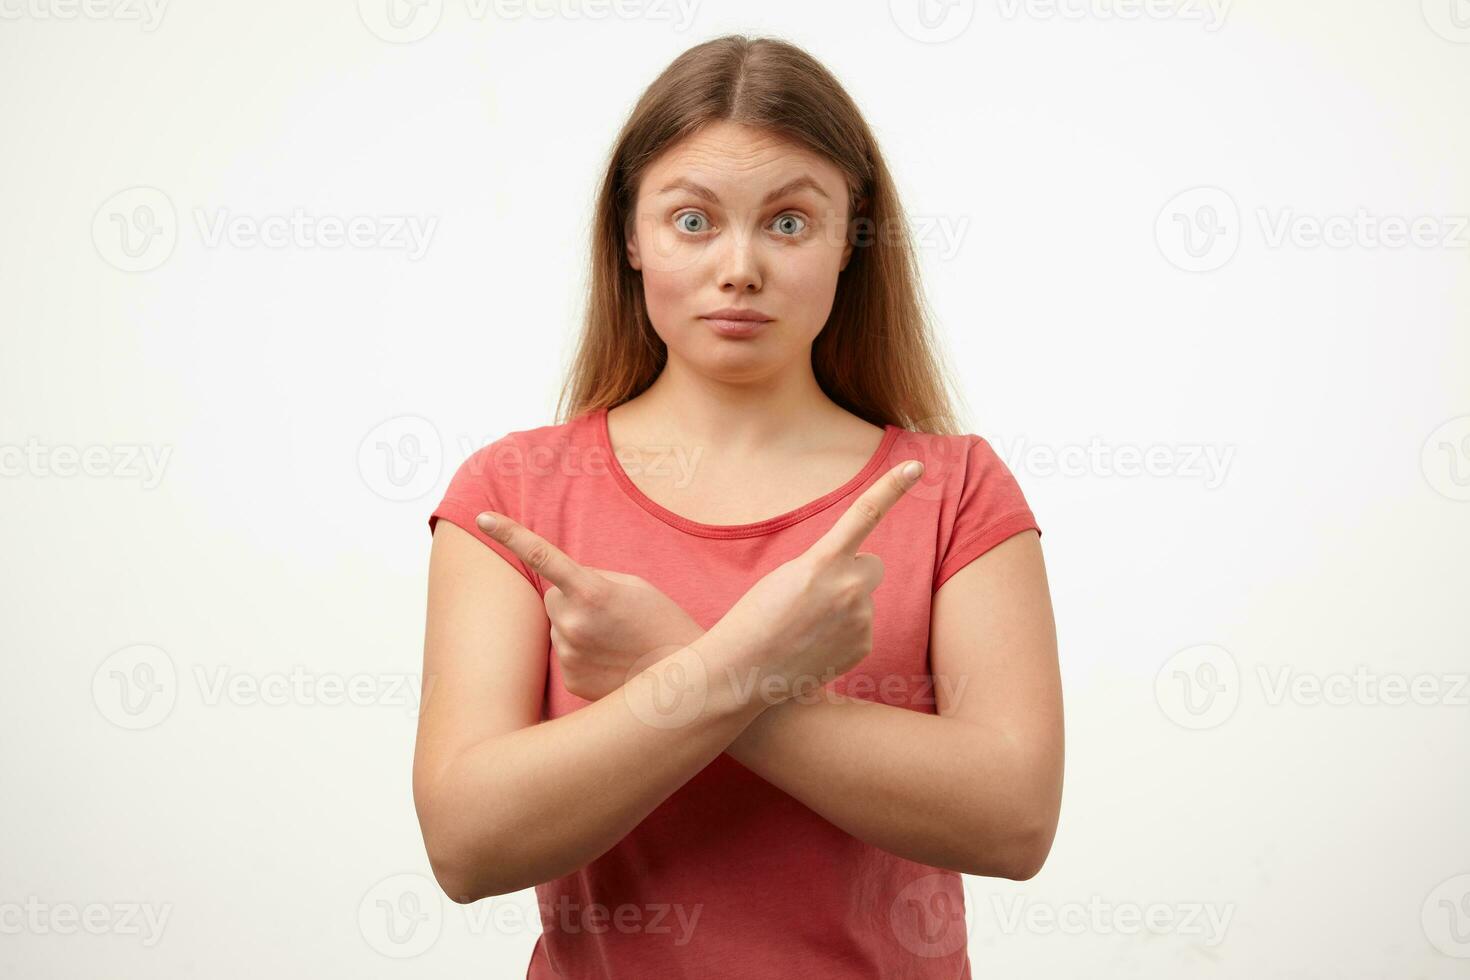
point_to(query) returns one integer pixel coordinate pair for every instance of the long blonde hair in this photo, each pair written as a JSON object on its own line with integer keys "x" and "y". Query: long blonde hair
{"x": 876, "y": 356}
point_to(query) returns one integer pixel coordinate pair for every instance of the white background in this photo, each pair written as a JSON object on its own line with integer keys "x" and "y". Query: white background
{"x": 303, "y": 406}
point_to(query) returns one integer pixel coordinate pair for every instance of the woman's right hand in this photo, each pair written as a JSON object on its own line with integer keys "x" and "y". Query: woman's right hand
{"x": 810, "y": 619}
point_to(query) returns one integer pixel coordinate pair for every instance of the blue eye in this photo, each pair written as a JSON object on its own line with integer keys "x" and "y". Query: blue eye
{"x": 793, "y": 217}
{"x": 689, "y": 214}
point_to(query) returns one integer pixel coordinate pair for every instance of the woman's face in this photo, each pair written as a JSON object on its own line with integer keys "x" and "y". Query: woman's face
{"x": 735, "y": 216}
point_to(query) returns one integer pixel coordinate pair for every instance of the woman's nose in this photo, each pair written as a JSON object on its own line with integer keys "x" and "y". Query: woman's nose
{"x": 740, "y": 263}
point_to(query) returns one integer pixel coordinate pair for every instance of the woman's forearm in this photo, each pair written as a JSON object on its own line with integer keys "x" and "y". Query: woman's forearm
{"x": 537, "y": 803}
{"x": 939, "y": 791}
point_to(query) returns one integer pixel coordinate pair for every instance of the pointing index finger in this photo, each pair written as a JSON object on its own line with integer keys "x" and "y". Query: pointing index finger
{"x": 549, "y": 561}
{"x": 854, "y": 526}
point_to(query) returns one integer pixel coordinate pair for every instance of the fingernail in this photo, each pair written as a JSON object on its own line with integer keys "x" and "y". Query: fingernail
{"x": 486, "y": 522}
{"x": 912, "y": 471}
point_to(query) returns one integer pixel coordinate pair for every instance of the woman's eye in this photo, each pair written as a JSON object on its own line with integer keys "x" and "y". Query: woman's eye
{"x": 681, "y": 219}
{"x": 786, "y": 220}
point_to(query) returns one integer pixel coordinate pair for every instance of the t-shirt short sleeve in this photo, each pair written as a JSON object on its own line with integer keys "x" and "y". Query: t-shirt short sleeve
{"x": 489, "y": 479}
{"x": 990, "y": 508}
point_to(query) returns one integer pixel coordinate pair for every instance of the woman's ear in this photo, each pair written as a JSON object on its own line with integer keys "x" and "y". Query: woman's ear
{"x": 632, "y": 249}
{"x": 857, "y": 211}
{"x": 630, "y": 240}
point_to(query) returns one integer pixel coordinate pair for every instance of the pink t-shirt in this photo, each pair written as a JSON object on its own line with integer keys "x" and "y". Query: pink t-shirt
{"x": 731, "y": 877}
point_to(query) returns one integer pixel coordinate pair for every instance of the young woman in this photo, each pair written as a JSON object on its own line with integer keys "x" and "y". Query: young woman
{"x": 746, "y": 705}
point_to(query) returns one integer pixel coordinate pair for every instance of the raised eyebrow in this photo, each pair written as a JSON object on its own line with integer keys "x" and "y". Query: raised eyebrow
{"x": 804, "y": 182}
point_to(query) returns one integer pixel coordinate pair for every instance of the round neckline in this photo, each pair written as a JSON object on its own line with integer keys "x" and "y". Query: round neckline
{"x": 620, "y": 476}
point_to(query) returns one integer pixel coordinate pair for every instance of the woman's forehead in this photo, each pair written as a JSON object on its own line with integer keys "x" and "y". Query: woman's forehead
{"x": 741, "y": 159}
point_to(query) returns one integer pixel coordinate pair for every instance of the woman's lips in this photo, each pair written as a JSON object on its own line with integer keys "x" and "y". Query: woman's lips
{"x": 736, "y": 328}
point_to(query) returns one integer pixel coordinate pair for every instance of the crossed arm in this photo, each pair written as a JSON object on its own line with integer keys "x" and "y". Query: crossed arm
{"x": 976, "y": 788}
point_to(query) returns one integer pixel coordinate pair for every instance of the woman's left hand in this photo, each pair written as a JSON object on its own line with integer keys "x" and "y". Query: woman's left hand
{"x": 601, "y": 637}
